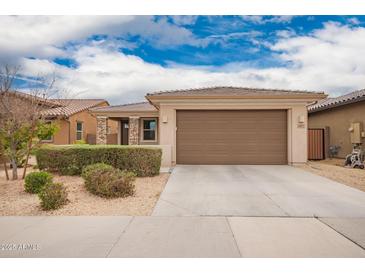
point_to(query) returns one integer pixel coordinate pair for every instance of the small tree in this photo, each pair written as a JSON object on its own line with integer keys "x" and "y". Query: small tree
{"x": 3, "y": 159}
{"x": 41, "y": 132}
{"x": 22, "y": 125}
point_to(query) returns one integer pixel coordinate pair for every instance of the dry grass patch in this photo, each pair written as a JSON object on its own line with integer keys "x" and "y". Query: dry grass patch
{"x": 14, "y": 201}
{"x": 334, "y": 169}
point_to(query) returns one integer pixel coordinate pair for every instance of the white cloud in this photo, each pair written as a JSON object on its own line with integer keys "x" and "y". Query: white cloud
{"x": 285, "y": 33}
{"x": 280, "y": 19}
{"x": 184, "y": 20}
{"x": 43, "y": 36}
{"x": 159, "y": 32}
{"x": 47, "y": 36}
{"x": 354, "y": 21}
{"x": 224, "y": 39}
{"x": 260, "y": 20}
{"x": 330, "y": 59}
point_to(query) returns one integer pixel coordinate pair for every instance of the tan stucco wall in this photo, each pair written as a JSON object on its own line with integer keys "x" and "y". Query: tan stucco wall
{"x": 62, "y": 135}
{"x": 297, "y": 132}
{"x": 297, "y": 135}
{"x": 338, "y": 120}
{"x": 67, "y": 131}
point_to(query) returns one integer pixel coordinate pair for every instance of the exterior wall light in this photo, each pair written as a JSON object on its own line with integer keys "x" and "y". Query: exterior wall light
{"x": 164, "y": 119}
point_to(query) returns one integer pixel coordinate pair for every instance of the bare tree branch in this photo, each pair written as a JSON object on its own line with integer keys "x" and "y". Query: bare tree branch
{"x": 21, "y": 114}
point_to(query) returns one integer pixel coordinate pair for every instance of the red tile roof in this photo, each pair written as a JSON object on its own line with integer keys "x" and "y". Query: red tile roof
{"x": 60, "y": 107}
{"x": 68, "y": 107}
{"x": 30, "y": 97}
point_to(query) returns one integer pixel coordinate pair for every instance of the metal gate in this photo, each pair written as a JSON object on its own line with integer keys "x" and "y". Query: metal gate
{"x": 316, "y": 144}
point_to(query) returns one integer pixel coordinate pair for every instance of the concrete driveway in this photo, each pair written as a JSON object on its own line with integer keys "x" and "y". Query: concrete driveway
{"x": 221, "y": 190}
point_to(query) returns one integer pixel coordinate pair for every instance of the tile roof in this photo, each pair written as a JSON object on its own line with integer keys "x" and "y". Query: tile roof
{"x": 230, "y": 91}
{"x": 349, "y": 98}
{"x": 30, "y": 97}
{"x": 68, "y": 107}
{"x": 140, "y": 106}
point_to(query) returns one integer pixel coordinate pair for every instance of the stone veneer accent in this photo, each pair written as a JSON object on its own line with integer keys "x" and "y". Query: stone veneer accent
{"x": 101, "y": 130}
{"x": 133, "y": 137}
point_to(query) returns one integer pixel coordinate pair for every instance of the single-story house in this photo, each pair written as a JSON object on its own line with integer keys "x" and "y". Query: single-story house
{"x": 73, "y": 117}
{"x": 342, "y": 118}
{"x": 218, "y": 125}
{"x": 76, "y": 122}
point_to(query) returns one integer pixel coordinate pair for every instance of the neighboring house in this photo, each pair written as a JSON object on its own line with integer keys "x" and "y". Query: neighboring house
{"x": 73, "y": 117}
{"x": 342, "y": 118}
{"x": 219, "y": 125}
{"x": 76, "y": 122}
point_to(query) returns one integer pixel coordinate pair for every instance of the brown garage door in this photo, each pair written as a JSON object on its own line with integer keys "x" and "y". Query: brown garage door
{"x": 231, "y": 137}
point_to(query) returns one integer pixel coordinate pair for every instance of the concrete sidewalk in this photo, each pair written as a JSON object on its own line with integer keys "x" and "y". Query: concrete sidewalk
{"x": 180, "y": 237}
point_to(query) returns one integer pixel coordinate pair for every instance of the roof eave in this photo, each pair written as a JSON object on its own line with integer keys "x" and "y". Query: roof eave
{"x": 330, "y": 106}
{"x": 126, "y": 114}
{"x": 312, "y": 97}
{"x": 148, "y": 98}
{"x": 54, "y": 116}
{"x": 123, "y": 111}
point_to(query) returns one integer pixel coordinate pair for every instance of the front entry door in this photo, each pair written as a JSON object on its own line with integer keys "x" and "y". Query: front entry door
{"x": 124, "y": 132}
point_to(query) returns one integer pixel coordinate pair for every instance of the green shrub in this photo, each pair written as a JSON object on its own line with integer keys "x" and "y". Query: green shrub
{"x": 71, "y": 159}
{"x": 53, "y": 196}
{"x": 109, "y": 182}
{"x": 90, "y": 169}
{"x": 35, "y": 181}
{"x": 80, "y": 142}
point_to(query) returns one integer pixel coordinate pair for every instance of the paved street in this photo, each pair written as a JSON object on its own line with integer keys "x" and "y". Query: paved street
{"x": 181, "y": 237}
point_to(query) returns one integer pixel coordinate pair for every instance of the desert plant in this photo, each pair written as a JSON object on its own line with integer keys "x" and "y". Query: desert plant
{"x": 71, "y": 159}
{"x": 90, "y": 170}
{"x": 53, "y": 196}
{"x": 109, "y": 182}
{"x": 22, "y": 125}
{"x": 35, "y": 181}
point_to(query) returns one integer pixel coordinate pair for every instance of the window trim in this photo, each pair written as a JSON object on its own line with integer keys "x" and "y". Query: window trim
{"x": 82, "y": 130}
{"x": 142, "y": 129}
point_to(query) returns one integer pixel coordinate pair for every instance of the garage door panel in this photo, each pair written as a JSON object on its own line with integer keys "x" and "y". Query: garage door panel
{"x": 231, "y": 137}
{"x": 237, "y": 138}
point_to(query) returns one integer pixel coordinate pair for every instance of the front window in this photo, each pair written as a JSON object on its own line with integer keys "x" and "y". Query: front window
{"x": 49, "y": 138}
{"x": 149, "y": 129}
{"x": 79, "y": 130}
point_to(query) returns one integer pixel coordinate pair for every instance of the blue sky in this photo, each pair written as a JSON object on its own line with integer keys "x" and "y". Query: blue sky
{"x": 232, "y": 39}
{"x": 120, "y": 58}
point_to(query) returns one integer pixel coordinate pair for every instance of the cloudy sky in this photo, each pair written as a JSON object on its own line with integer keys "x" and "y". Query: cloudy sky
{"x": 120, "y": 58}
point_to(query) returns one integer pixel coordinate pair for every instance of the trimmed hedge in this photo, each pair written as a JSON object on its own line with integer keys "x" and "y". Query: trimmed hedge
{"x": 71, "y": 159}
{"x": 109, "y": 182}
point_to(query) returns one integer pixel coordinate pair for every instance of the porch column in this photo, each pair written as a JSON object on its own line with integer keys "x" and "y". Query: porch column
{"x": 133, "y": 138}
{"x": 101, "y": 130}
